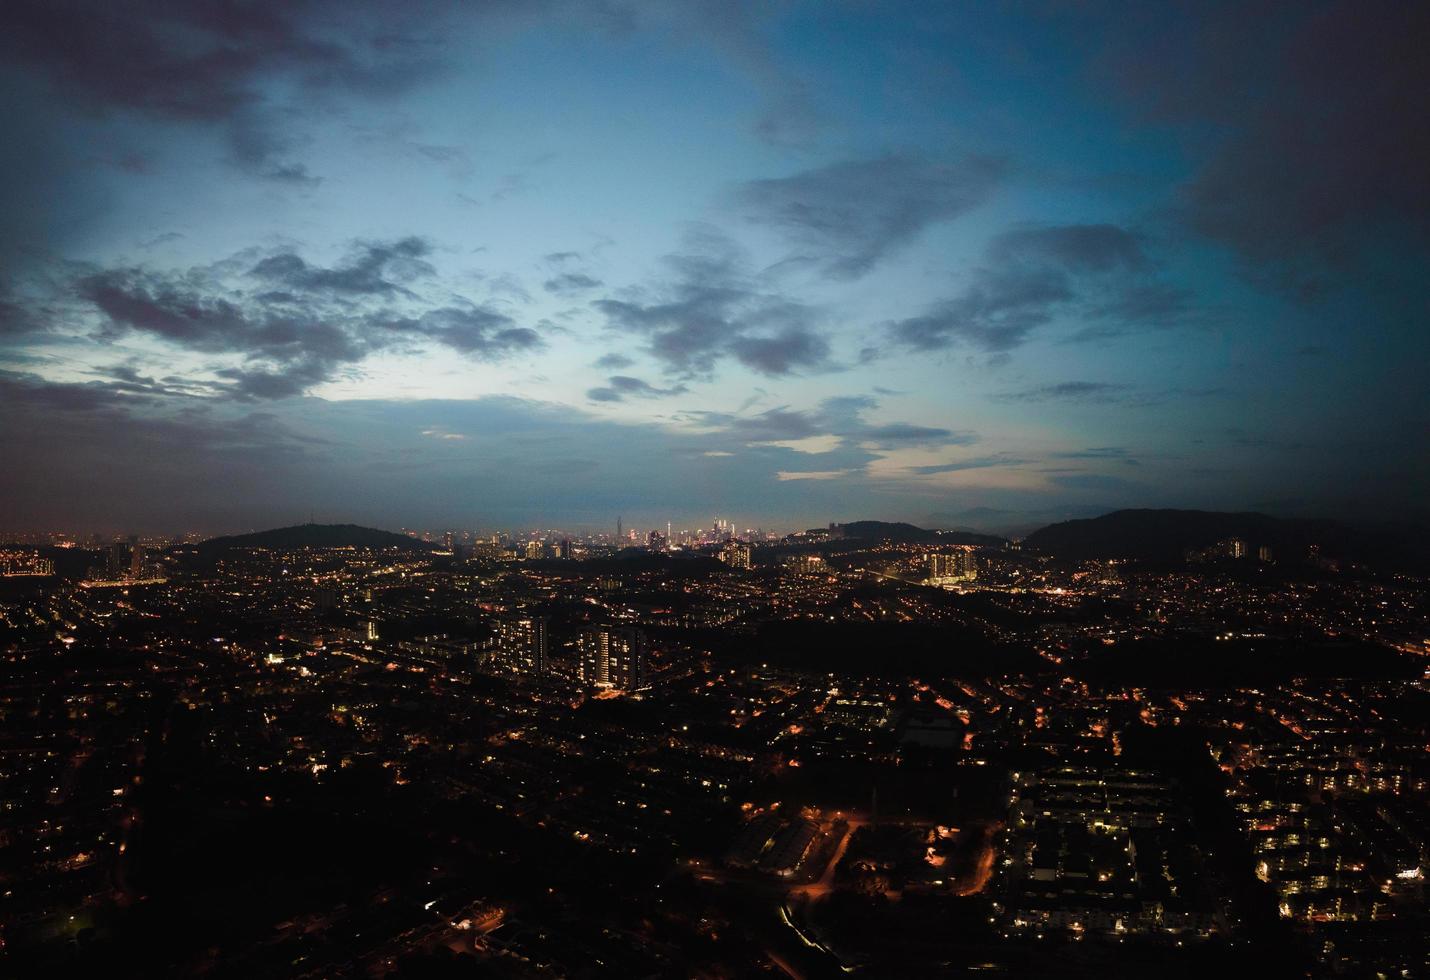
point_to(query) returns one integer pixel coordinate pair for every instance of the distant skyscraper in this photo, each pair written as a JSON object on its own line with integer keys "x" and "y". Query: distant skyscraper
{"x": 620, "y": 532}
{"x": 566, "y": 549}
{"x": 613, "y": 658}
{"x": 1263, "y": 553}
{"x": 1236, "y": 547}
{"x": 136, "y": 561}
{"x": 533, "y": 549}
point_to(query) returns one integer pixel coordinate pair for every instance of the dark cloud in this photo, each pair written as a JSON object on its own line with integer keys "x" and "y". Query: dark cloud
{"x": 456, "y": 158}
{"x": 1030, "y": 276}
{"x": 782, "y": 353}
{"x": 788, "y": 117}
{"x": 474, "y": 330}
{"x": 613, "y": 361}
{"x": 293, "y": 323}
{"x": 292, "y": 379}
{"x": 977, "y": 463}
{"x": 773, "y": 425}
{"x": 1096, "y": 452}
{"x": 168, "y": 307}
{"x": 905, "y": 434}
{"x": 261, "y": 147}
{"x": 1085, "y": 248}
{"x": 373, "y": 268}
{"x": 619, "y": 387}
{"x": 848, "y": 216}
{"x": 99, "y": 412}
{"x": 215, "y": 61}
{"x": 1068, "y": 391}
{"x": 1142, "y": 306}
{"x": 841, "y": 417}
{"x": 17, "y": 317}
{"x": 568, "y": 283}
{"x": 996, "y": 312}
{"x": 1321, "y": 113}
{"x": 710, "y": 307}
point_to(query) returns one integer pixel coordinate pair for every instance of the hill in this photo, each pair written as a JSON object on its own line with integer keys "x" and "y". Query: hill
{"x": 316, "y": 536}
{"x": 902, "y": 533}
{"x": 1166, "y": 535}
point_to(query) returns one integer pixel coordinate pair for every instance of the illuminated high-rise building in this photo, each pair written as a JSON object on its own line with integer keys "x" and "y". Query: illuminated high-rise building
{"x": 519, "y": 644}
{"x": 613, "y": 658}
{"x": 114, "y": 561}
{"x": 736, "y": 554}
{"x": 952, "y": 566}
{"x": 804, "y": 564}
{"x": 136, "y": 561}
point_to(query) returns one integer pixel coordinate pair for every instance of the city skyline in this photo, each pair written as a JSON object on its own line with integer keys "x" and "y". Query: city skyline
{"x": 487, "y": 266}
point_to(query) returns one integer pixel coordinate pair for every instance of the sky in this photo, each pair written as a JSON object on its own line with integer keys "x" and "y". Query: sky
{"x": 544, "y": 264}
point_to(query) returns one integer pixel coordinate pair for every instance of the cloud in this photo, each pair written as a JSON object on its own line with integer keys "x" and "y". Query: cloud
{"x": 773, "y": 425}
{"x": 1320, "y": 111}
{"x": 836, "y": 429}
{"x": 620, "y": 387}
{"x": 455, "y": 158}
{"x": 1087, "y": 392}
{"x": 1098, "y": 452}
{"x": 444, "y": 435}
{"x": 1077, "y": 248}
{"x": 373, "y": 268}
{"x": 975, "y": 463}
{"x": 217, "y": 63}
{"x": 782, "y": 353}
{"x": 905, "y": 434}
{"x": 474, "y": 330}
{"x": 291, "y": 323}
{"x": 710, "y": 307}
{"x": 613, "y": 361}
{"x": 995, "y": 313}
{"x": 786, "y": 475}
{"x": 568, "y": 283}
{"x": 18, "y": 317}
{"x": 1031, "y": 275}
{"x": 848, "y": 216}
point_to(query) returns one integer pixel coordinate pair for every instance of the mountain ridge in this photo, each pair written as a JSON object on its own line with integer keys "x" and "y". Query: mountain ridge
{"x": 316, "y": 536}
{"x": 1167, "y": 534}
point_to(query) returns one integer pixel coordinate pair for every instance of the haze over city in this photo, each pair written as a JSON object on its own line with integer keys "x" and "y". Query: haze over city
{"x": 545, "y": 264}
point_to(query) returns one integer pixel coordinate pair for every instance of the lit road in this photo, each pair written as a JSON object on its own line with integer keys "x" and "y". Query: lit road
{"x": 820, "y": 888}
{"x": 983, "y": 867}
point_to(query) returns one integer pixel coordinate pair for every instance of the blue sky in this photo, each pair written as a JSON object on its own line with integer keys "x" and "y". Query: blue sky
{"x": 503, "y": 265}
